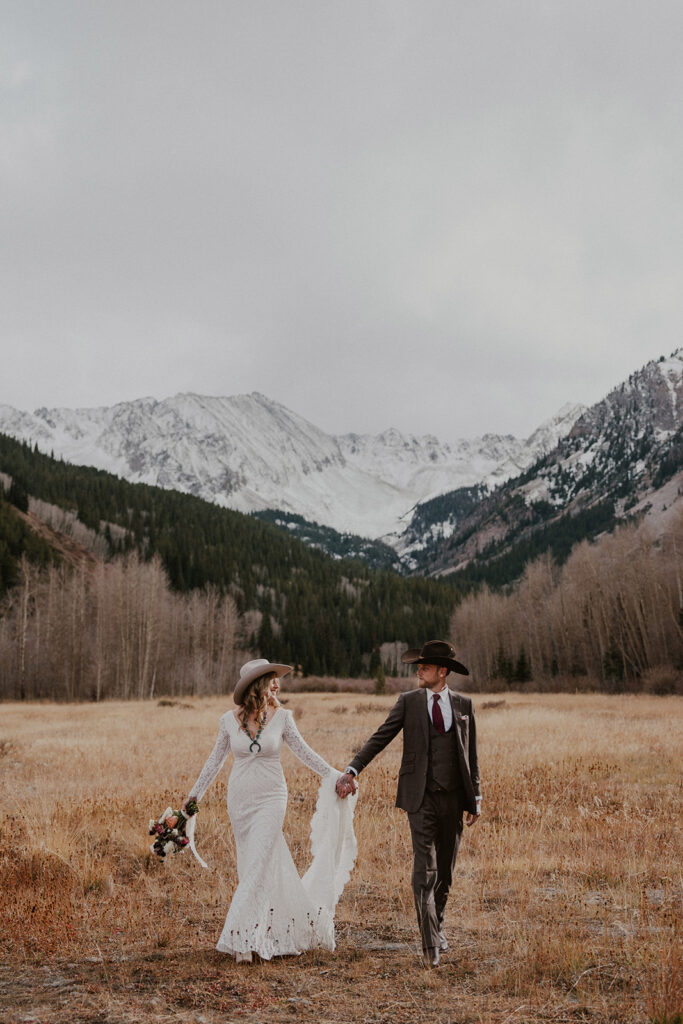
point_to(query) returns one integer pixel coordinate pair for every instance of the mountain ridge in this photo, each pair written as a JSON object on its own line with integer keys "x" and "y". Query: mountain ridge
{"x": 389, "y": 498}
{"x": 251, "y": 454}
{"x": 623, "y": 457}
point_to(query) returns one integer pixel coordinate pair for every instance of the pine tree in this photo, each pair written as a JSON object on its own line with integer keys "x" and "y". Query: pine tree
{"x": 17, "y": 495}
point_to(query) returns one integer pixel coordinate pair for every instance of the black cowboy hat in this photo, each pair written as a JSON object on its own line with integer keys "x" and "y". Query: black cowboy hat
{"x": 434, "y": 652}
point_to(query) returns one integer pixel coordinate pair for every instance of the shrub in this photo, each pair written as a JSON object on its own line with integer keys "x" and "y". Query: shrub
{"x": 662, "y": 680}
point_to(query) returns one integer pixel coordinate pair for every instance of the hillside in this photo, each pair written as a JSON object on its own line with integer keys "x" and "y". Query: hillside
{"x": 622, "y": 459}
{"x": 411, "y": 504}
{"x": 298, "y": 604}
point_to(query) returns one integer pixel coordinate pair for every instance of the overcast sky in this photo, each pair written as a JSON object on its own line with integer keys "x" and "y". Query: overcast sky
{"x": 450, "y": 218}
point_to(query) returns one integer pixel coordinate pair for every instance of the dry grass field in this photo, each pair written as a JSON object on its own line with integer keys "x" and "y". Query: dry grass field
{"x": 566, "y": 907}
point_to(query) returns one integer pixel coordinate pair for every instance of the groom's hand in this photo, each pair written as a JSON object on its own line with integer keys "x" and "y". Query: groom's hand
{"x": 346, "y": 784}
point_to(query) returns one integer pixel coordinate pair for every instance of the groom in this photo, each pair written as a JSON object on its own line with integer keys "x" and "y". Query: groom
{"x": 437, "y": 782}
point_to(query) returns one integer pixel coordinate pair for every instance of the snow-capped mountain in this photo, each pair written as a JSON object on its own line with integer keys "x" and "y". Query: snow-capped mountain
{"x": 427, "y": 467}
{"x": 249, "y": 453}
{"x": 615, "y": 441}
{"x": 623, "y": 455}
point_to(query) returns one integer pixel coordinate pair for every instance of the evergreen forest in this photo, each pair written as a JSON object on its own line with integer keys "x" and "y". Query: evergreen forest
{"x": 327, "y": 616}
{"x": 163, "y": 593}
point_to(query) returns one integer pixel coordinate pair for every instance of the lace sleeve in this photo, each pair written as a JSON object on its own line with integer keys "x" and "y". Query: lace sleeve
{"x": 214, "y": 762}
{"x": 298, "y": 745}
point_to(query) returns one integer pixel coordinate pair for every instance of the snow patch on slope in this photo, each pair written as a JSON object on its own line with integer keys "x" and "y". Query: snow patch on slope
{"x": 249, "y": 453}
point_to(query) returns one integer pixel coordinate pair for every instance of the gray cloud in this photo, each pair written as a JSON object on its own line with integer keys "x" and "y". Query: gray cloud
{"x": 448, "y": 217}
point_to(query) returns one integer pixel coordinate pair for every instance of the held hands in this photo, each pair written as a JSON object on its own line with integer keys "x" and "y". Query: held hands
{"x": 346, "y": 784}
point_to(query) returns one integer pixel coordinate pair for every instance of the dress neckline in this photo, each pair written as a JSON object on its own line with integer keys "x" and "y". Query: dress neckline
{"x": 246, "y": 732}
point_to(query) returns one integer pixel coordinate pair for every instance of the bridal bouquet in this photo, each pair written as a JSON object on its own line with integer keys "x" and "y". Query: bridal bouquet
{"x": 169, "y": 831}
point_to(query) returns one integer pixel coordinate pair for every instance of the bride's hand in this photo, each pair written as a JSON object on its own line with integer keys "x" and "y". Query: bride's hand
{"x": 345, "y": 785}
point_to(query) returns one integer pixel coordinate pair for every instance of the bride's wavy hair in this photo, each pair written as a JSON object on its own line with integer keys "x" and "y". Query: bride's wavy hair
{"x": 255, "y": 699}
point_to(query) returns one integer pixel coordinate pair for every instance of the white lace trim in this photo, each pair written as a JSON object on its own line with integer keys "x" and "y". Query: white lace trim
{"x": 269, "y": 940}
{"x": 300, "y": 748}
{"x": 214, "y": 761}
{"x": 333, "y": 844}
{"x": 334, "y": 849}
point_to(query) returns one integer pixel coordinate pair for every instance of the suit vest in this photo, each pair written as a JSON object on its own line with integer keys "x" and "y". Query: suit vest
{"x": 443, "y": 771}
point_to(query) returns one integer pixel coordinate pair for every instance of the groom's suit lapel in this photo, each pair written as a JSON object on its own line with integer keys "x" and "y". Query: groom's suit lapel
{"x": 424, "y": 716}
{"x": 457, "y": 717}
{"x": 456, "y": 705}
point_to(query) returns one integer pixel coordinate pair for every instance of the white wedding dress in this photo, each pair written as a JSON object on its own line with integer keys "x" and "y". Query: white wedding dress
{"x": 274, "y": 912}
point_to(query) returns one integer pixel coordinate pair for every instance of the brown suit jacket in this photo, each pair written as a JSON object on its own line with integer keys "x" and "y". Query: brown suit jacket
{"x": 410, "y": 714}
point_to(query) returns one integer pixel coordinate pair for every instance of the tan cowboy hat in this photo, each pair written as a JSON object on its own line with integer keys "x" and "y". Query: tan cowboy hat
{"x": 254, "y": 670}
{"x": 434, "y": 652}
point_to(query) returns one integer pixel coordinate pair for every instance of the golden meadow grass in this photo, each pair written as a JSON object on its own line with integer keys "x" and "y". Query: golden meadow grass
{"x": 566, "y": 903}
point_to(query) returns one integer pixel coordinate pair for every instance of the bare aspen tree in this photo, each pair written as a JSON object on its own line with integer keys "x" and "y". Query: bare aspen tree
{"x": 610, "y": 614}
{"x": 535, "y": 591}
{"x": 152, "y": 584}
{"x": 51, "y": 601}
{"x": 228, "y": 629}
{"x": 123, "y": 636}
{"x": 22, "y": 627}
{"x": 81, "y": 587}
{"x": 115, "y": 631}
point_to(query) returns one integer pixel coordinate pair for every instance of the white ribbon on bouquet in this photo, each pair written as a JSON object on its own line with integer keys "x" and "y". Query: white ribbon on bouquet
{"x": 189, "y": 832}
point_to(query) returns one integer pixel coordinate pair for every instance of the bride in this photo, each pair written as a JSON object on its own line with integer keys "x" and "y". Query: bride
{"x": 273, "y": 911}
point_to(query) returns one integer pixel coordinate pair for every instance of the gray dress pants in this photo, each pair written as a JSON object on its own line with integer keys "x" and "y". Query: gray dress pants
{"x": 436, "y": 831}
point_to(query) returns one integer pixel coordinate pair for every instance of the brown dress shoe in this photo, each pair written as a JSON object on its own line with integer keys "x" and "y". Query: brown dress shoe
{"x": 430, "y": 957}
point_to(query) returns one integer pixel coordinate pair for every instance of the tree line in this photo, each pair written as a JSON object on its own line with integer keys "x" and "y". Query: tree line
{"x": 179, "y": 590}
{"x": 114, "y": 630}
{"x": 612, "y": 614}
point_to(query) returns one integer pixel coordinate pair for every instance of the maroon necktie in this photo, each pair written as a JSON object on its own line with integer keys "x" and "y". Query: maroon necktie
{"x": 437, "y": 717}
